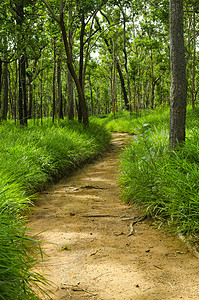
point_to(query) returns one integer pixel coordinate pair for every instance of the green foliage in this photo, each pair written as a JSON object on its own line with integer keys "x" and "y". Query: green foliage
{"x": 30, "y": 158}
{"x": 37, "y": 155}
{"x": 132, "y": 124}
{"x": 165, "y": 184}
{"x": 18, "y": 253}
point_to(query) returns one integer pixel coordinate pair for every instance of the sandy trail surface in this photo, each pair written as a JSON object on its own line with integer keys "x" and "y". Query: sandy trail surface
{"x": 89, "y": 251}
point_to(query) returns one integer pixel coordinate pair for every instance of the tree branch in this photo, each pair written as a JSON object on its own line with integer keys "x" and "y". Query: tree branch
{"x": 51, "y": 11}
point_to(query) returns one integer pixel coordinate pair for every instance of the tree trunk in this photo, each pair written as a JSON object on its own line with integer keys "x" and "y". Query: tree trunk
{"x": 23, "y": 77}
{"x": 20, "y": 100}
{"x": 59, "y": 84}
{"x": 194, "y": 60}
{"x": 126, "y": 101}
{"x": 125, "y": 55}
{"x": 30, "y": 99}
{"x": 41, "y": 98}
{"x": 114, "y": 86}
{"x": 178, "y": 90}
{"x": 70, "y": 110}
{"x": 74, "y": 75}
{"x": 54, "y": 85}
{"x": 69, "y": 60}
{"x": 70, "y": 106}
{"x": 22, "y": 69}
{"x": 5, "y": 94}
{"x": 91, "y": 93}
{"x": 81, "y": 63}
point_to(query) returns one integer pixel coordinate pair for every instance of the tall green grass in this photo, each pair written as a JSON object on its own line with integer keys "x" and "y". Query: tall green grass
{"x": 30, "y": 159}
{"x": 165, "y": 185}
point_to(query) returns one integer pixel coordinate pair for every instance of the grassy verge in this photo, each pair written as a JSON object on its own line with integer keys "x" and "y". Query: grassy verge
{"x": 31, "y": 158}
{"x": 164, "y": 185}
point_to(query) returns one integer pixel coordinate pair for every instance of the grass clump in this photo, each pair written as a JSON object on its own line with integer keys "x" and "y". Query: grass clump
{"x": 39, "y": 155}
{"x": 18, "y": 253}
{"x": 165, "y": 184}
{"x": 31, "y": 158}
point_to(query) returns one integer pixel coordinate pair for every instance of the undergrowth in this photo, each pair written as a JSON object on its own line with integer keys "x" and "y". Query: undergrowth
{"x": 164, "y": 184}
{"x": 31, "y": 158}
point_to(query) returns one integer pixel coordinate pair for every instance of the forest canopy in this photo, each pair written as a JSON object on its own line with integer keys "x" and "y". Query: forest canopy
{"x": 79, "y": 58}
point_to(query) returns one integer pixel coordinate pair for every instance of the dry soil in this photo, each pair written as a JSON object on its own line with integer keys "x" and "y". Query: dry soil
{"x": 93, "y": 252}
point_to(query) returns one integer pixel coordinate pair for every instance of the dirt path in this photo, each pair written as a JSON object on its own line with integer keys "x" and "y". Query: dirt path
{"x": 89, "y": 254}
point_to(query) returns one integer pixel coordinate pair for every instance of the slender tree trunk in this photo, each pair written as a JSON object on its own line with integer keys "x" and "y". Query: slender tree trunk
{"x": 178, "y": 92}
{"x": 194, "y": 60}
{"x": 69, "y": 60}
{"x": 41, "y": 98}
{"x": 24, "y": 90}
{"x": 59, "y": 84}
{"x": 11, "y": 98}
{"x": 19, "y": 8}
{"x": 20, "y": 99}
{"x": 91, "y": 93}
{"x": 70, "y": 110}
{"x": 126, "y": 101}
{"x": 72, "y": 71}
{"x": 70, "y": 106}
{"x": 5, "y": 94}
{"x": 81, "y": 63}
{"x": 30, "y": 98}
{"x": 125, "y": 54}
{"x": 152, "y": 82}
{"x": 54, "y": 82}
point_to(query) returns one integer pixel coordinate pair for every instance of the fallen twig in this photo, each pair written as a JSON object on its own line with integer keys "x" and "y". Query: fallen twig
{"x": 97, "y": 187}
{"x": 100, "y": 216}
{"x": 132, "y": 231}
{"x": 75, "y": 288}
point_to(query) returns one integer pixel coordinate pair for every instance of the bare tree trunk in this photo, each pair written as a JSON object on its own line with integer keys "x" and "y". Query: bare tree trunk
{"x": 91, "y": 93}
{"x": 59, "y": 84}
{"x": 41, "y": 98}
{"x": 126, "y": 101}
{"x": 69, "y": 60}
{"x": 81, "y": 64}
{"x": 5, "y": 94}
{"x": 74, "y": 75}
{"x": 70, "y": 106}
{"x": 125, "y": 54}
{"x": 194, "y": 60}
{"x": 54, "y": 82}
{"x": 178, "y": 92}
{"x": 114, "y": 86}
{"x": 70, "y": 110}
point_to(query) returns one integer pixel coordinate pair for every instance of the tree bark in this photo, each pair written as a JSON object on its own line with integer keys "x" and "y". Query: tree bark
{"x": 81, "y": 63}
{"x": 5, "y": 94}
{"x": 74, "y": 75}
{"x": 125, "y": 55}
{"x": 23, "y": 114}
{"x": 59, "y": 84}
{"x": 178, "y": 91}
{"x": 54, "y": 80}
{"x": 70, "y": 104}
{"x": 194, "y": 60}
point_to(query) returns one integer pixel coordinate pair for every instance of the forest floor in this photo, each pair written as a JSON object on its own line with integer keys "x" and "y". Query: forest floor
{"x": 90, "y": 249}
